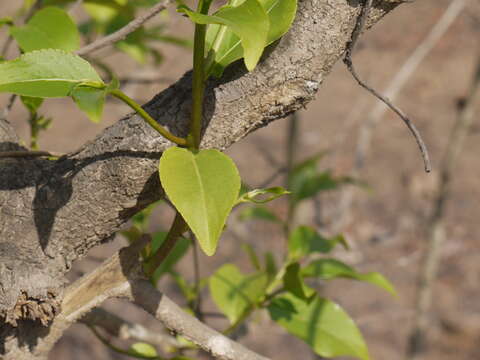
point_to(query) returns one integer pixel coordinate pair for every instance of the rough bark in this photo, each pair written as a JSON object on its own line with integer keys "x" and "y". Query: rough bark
{"x": 53, "y": 212}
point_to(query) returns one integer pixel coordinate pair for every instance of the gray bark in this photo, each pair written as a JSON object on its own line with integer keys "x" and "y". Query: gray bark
{"x": 53, "y": 212}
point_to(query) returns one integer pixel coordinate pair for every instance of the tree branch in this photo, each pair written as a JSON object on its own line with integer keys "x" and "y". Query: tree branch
{"x": 121, "y": 276}
{"x": 124, "y": 31}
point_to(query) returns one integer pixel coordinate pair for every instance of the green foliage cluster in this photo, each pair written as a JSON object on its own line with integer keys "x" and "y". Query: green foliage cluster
{"x": 202, "y": 184}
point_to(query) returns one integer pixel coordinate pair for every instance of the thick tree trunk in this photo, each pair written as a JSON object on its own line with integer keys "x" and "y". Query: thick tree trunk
{"x": 53, "y": 212}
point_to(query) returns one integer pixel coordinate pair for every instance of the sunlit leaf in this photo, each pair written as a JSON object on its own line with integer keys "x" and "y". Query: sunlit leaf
{"x": 234, "y": 293}
{"x": 143, "y": 349}
{"x": 248, "y": 20}
{"x": 203, "y": 187}
{"x": 327, "y": 269}
{"x": 49, "y": 28}
{"x": 304, "y": 240}
{"x": 47, "y": 73}
{"x": 31, "y": 103}
{"x": 225, "y": 46}
{"x": 322, "y": 324}
{"x": 90, "y": 101}
{"x": 262, "y": 196}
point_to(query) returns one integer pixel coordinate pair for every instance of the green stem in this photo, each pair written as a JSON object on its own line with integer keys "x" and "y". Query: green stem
{"x": 135, "y": 106}
{"x": 179, "y": 226}
{"x": 198, "y": 82}
{"x": 34, "y": 130}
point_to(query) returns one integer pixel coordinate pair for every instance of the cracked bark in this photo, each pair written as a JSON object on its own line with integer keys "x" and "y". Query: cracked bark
{"x": 52, "y": 213}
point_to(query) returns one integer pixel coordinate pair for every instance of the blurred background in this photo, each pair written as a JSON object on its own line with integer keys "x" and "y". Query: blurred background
{"x": 424, "y": 56}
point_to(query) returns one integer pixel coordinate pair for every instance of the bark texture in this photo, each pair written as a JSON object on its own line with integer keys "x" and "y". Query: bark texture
{"x": 53, "y": 212}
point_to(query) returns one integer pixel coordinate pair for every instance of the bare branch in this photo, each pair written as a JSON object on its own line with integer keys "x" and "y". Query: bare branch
{"x": 26, "y": 154}
{"x": 123, "y": 329}
{"x": 361, "y": 20}
{"x": 436, "y": 226}
{"x": 124, "y": 31}
{"x": 392, "y": 90}
{"x": 120, "y": 276}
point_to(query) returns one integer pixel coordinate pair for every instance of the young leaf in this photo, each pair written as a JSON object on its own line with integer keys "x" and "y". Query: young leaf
{"x": 293, "y": 283}
{"x": 305, "y": 240}
{"x": 90, "y": 101}
{"x": 49, "y": 28}
{"x": 249, "y": 21}
{"x": 31, "y": 103}
{"x": 258, "y": 213}
{"x": 47, "y": 73}
{"x": 262, "y": 196}
{"x": 143, "y": 349}
{"x": 6, "y": 21}
{"x": 327, "y": 269}
{"x": 234, "y": 293}
{"x": 322, "y": 324}
{"x": 203, "y": 187}
{"x": 225, "y": 46}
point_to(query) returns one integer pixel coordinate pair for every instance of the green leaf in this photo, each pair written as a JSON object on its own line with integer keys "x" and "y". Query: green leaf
{"x": 257, "y": 196}
{"x": 249, "y": 21}
{"x": 270, "y": 265}
{"x": 90, "y": 101}
{"x": 143, "y": 349}
{"x": 104, "y": 11}
{"x": 252, "y": 255}
{"x": 6, "y": 21}
{"x": 305, "y": 240}
{"x": 49, "y": 28}
{"x": 293, "y": 282}
{"x": 47, "y": 73}
{"x": 327, "y": 269}
{"x": 306, "y": 182}
{"x": 203, "y": 187}
{"x": 178, "y": 252}
{"x": 31, "y": 103}
{"x": 322, "y": 324}
{"x": 235, "y": 293}
{"x": 225, "y": 47}
{"x": 258, "y": 213}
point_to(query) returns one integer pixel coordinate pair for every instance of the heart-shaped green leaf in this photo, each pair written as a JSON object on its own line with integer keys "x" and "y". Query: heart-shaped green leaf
{"x": 322, "y": 324}
{"x": 225, "y": 46}
{"x": 248, "y": 21}
{"x": 47, "y": 73}
{"x": 49, "y": 28}
{"x": 234, "y": 293}
{"x": 330, "y": 269}
{"x": 203, "y": 187}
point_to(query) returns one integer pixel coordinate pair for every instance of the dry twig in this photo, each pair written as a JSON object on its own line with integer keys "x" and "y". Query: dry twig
{"x": 394, "y": 87}
{"x": 361, "y": 20}
{"x": 436, "y": 227}
{"x": 121, "y": 276}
